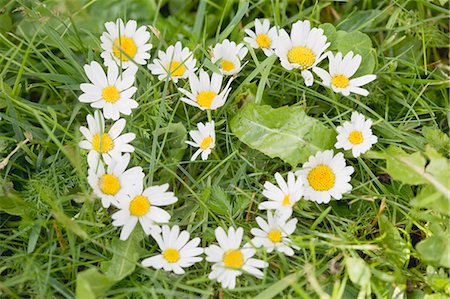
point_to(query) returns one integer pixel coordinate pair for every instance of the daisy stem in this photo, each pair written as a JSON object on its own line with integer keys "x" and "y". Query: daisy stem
{"x": 209, "y": 115}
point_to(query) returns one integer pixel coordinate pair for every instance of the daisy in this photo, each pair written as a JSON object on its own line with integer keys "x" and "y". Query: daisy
{"x": 204, "y": 138}
{"x": 229, "y": 56}
{"x": 283, "y": 197}
{"x": 356, "y": 135}
{"x": 125, "y": 45}
{"x": 111, "y": 92}
{"x": 176, "y": 63}
{"x": 325, "y": 176}
{"x": 341, "y": 69}
{"x": 205, "y": 93}
{"x": 274, "y": 234}
{"x": 110, "y": 145}
{"x": 143, "y": 206}
{"x": 114, "y": 182}
{"x": 302, "y": 50}
{"x": 176, "y": 252}
{"x": 230, "y": 260}
{"x": 264, "y": 37}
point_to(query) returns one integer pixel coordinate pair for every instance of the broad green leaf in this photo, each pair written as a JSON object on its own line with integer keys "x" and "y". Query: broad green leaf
{"x": 13, "y": 204}
{"x": 329, "y": 30}
{"x": 435, "y": 249}
{"x": 126, "y": 254}
{"x": 358, "y": 271}
{"x": 395, "y": 247}
{"x": 437, "y": 139}
{"x": 361, "y": 19}
{"x": 404, "y": 167}
{"x": 92, "y": 284}
{"x": 286, "y": 132}
{"x": 275, "y": 289}
{"x": 218, "y": 201}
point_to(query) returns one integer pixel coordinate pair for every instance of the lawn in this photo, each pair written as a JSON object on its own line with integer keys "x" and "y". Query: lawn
{"x": 378, "y": 228}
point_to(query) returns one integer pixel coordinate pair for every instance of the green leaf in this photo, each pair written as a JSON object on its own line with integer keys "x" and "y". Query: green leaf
{"x": 13, "y": 204}
{"x": 361, "y": 19}
{"x": 358, "y": 271}
{"x": 286, "y": 132}
{"x": 126, "y": 254}
{"x": 437, "y": 139}
{"x": 69, "y": 224}
{"x": 403, "y": 167}
{"x": 395, "y": 247}
{"x": 435, "y": 249}
{"x": 329, "y": 30}
{"x": 275, "y": 289}
{"x": 91, "y": 284}
{"x": 218, "y": 201}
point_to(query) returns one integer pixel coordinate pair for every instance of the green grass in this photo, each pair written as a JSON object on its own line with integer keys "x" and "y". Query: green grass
{"x": 52, "y": 228}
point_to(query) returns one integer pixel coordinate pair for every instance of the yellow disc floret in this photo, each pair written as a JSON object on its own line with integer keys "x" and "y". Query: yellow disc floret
{"x": 109, "y": 184}
{"x": 233, "y": 258}
{"x": 274, "y": 235}
{"x": 205, "y": 98}
{"x": 103, "y": 144}
{"x": 139, "y": 205}
{"x": 110, "y": 94}
{"x": 176, "y": 69}
{"x": 124, "y": 45}
{"x": 206, "y": 142}
{"x": 286, "y": 200}
{"x": 321, "y": 178}
{"x": 302, "y": 56}
{"x": 263, "y": 40}
{"x": 340, "y": 81}
{"x": 227, "y": 65}
{"x": 355, "y": 137}
{"x": 171, "y": 255}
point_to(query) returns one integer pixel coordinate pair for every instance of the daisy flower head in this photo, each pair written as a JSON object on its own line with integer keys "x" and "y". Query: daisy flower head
{"x": 356, "y": 135}
{"x": 111, "y": 92}
{"x": 125, "y": 44}
{"x": 230, "y": 259}
{"x": 113, "y": 182}
{"x": 325, "y": 175}
{"x": 176, "y": 63}
{"x": 302, "y": 50}
{"x": 274, "y": 234}
{"x": 205, "y": 91}
{"x": 229, "y": 56}
{"x": 263, "y": 37}
{"x": 204, "y": 138}
{"x": 341, "y": 70}
{"x": 282, "y": 198}
{"x": 177, "y": 252}
{"x": 109, "y": 145}
{"x": 143, "y": 206}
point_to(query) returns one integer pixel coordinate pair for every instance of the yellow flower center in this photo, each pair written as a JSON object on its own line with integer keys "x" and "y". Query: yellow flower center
{"x": 227, "y": 65}
{"x": 110, "y": 94}
{"x": 124, "y": 45}
{"x": 176, "y": 68}
{"x": 205, "y": 98}
{"x": 286, "y": 200}
{"x": 263, "y": 40}
{"x": 340, "y": 81}
{"x": 321, "y": 178}
{"x": 103, "y": 144}
{"x": 206, "y": 142}
{"x": 274, "y": 236}
{"x": 355, "y": 137}
{"x": 302, "y": 56}
{"x": 233, "y": 258}
{"x": 139, "y": 206}
{"x": 109, "y": 184}
{"x": 171, "y": 255}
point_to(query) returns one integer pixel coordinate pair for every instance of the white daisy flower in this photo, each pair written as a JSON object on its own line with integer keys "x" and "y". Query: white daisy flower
{"x": 356, "y": 135}
{"x": 125, "y": 45}
{"x": 264, "y": 37}
{"x": 111, "y": 92}
{"x": 205, "y": 93}
{"x": 229, "y": 56}
{"x": 176, "y": 252}
{"x": 274, "y": 234}
{"x": 143, "y": 206}
{"x": 204, "y": 138}
{"x": 113, "y": 183}
{"x": 230, "y": 260}
{"x": 110, "y": 145}
{"x": 176, "y": 62}
{"x": 341, "y": 70}
{"x": 283, "y": 197}
{"x": 325, "y": 176}
{"x": 302, "y": 50}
